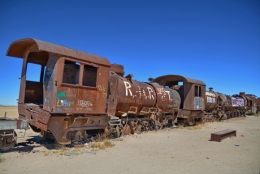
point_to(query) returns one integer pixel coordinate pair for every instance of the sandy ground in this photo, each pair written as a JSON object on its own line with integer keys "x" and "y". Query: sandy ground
{"x": 9, "y": 111}
{"x": 178, "y": 150}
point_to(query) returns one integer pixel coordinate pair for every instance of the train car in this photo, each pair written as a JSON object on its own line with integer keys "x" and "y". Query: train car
{"x": 226, "y": 108}
{"x": 215, "y": 105}
{"x": 222, "y": 106}
{"x": 76, "y": 94}
{"x": 192, "y": 93}
{"x": 250, "y": 102}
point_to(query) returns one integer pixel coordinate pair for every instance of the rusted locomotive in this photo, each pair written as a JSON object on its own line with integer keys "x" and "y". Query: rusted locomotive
{"x": 197, "y": 104}
{"x": 221, "y": 106}
{"x": 192, "y": 93}
{"x": 77, "y": 94}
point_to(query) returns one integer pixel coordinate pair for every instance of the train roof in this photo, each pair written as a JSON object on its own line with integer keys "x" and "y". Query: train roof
{"x": 19, "y": 47}
{"x": 165, "y": 78}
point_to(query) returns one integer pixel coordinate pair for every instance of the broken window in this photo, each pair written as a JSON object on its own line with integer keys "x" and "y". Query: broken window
{"x": 198, "y": 91}
{"x": 180, "y": 83}
{"x": 89, "y": 76}
{"x": 71, "y": 72}
{"x": 33, "y": 72}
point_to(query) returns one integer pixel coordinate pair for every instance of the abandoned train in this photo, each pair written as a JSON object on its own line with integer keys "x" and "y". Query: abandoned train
{"x": 78, "y": 94}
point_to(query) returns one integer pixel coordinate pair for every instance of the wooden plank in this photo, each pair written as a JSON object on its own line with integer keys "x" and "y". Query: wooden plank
{"x": 219, "y": 136}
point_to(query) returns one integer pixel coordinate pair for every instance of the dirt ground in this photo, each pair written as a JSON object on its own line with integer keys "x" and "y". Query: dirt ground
{"x": 177, "y": 150}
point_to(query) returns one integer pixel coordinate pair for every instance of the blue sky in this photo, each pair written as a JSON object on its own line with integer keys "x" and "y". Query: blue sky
{"x": 217, "y": 42}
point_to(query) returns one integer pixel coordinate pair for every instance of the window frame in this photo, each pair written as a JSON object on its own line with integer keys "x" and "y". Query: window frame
{"x": 197, "y": 91}
{"x": 81, "y": 72}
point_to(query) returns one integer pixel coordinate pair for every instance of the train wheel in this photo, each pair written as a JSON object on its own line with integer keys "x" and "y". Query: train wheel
{"x": 224, "y": 117}
{"x": 204, "y": 119}
{"x": 232, "y": 114}
{"x": 190, "y": 121}
{"x": 138, "y": 129}
{"x": 117, "y": 132}
{"x": 158, "y": 125}
{"x": 228, "y": 114}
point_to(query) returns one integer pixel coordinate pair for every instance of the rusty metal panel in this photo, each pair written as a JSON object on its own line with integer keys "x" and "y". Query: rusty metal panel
{"x": 163, "y": 79}
{"x": 112, "y": 92}
{"x": 18, "y": 48}
{"x": 7, "y": 124}
{"x": 119, "y": 69}
{"x": 70, "y": 124}
{"x": 132, "y": 96}
{"x": 198, "y": 103}
{"x": 167, "y": 99}
{"x": 80, "y": 96}
{"x": 211, "y": 100}
{"x": 253, "y": 103}
{"x": 237, "y": 102}
{"x": 49, "y": 84}
{"x": 224, "y": 100}
{"x": 71, "y": 99}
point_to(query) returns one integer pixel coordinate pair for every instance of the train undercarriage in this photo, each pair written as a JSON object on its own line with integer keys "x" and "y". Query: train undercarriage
{"x": 83, "y": 128}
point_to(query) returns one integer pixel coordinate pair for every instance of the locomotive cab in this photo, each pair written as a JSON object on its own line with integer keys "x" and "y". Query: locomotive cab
{"x": 192, "y": 93}
{"x": 63, "y": 92}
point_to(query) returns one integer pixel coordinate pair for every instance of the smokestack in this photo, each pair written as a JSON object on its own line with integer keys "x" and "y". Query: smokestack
{"x": 242, "y": 93}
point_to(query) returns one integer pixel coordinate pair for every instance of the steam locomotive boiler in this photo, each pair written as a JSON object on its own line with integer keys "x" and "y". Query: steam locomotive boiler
{"x": 141, "y": 106}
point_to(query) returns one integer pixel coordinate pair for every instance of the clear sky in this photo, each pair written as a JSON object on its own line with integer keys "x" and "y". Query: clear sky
{"x": 216, "y": 41}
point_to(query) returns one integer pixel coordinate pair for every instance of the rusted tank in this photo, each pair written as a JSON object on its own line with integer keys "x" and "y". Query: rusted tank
{"x": 214, "y": 105}
{"x": 140, "y": 103}
{"x": 212, "y": 100}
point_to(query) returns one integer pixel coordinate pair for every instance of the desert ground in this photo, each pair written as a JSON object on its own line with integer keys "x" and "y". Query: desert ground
{"x": 177, "y": 150}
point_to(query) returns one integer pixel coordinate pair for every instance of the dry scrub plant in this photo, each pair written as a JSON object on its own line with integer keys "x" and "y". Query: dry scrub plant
{"x": 99, "y": 142}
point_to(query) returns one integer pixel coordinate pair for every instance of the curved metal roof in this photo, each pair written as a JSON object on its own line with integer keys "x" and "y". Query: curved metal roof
{"x": 18, "y": 48}
{"x": 163, "y": 79}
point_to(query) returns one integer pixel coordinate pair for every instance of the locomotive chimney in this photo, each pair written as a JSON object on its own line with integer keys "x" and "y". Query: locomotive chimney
{"x": 210, "y": 89}
{"x": 242, "y": 93}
